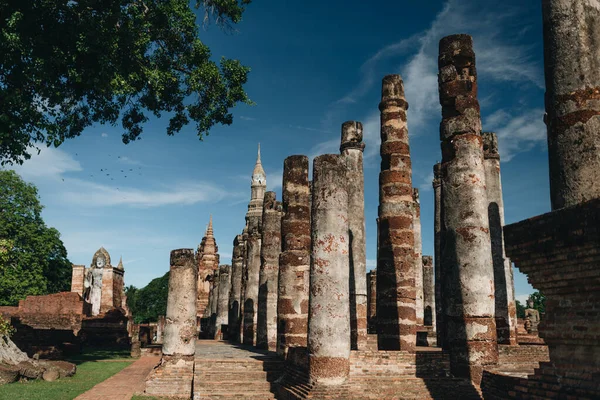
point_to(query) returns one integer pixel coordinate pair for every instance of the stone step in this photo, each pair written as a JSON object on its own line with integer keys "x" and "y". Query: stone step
{"x": 238, "y": 376}
{"x": 230, "y": 385}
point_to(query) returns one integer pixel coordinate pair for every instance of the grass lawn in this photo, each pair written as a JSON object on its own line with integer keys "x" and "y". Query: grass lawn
{"x": 93, "y": 367}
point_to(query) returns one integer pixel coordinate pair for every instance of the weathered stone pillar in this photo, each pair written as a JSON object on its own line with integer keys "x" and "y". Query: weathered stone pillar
{"x": 428, "y": 292}
{"x": 213, "y": 301}
{"x": 294, "y": 261}
{"x": 223, "y": 302}
{"x": 329, "y": 304}
{"x": 396, "y": 261}
{"x": 351, "y": 149}
{"x": 468, "y": 287}
{"x": 437, "y": 255}
{"x": 372, "y": 301}
{"x": 251, "y": 293}
{"x": 418, "y": 254}
{"x": 77, "y": 278}
{"x": 235, "y": 295}
{"x": 572, "y": 62}
{"x": 174, "y": 375}
{"x": 506, "y": 311}
{"x": 269, "y": 273}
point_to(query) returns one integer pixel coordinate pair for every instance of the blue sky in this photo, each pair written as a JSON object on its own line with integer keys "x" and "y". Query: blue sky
{"x": 315, "y": 64}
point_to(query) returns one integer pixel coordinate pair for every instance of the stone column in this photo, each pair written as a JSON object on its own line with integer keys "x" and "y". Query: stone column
{"x": 174, "y": 375}
{"x": 213, "y": 301}
{"x": 223, "y": 302}
{"x": 244, "y": 279}
{"x": 160, "y": 330}
{"x": 329, "y": 304}
{"x": 428, "y": 292}
{"x": 269, "y": 273}
{"x": 418, "y": 254}
{"x": 294, "y": 261}
{"x": 372, "y": 301}
{"x": 506, "y": 311}
{"x": 437, "y": 255}
{"x": 396, "y": 261}
{"x": 251, "y": 293}
{"x": 572, "y": 62}
{"x": 235, "y": 295}
{"x": 351, "y": 149}
{"x": 468, "y": 286}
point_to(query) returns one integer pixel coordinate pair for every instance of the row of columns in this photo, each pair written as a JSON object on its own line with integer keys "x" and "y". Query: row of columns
{"x": 298, "y": 283}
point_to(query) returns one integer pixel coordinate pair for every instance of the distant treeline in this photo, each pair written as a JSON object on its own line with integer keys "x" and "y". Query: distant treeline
{"x": 148, "y": 303}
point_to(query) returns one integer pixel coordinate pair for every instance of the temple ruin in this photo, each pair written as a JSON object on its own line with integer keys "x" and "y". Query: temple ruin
{"x": 304, "y": 317}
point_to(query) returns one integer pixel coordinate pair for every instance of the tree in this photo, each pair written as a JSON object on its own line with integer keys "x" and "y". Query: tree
{"x": 67, "y": 64}
{"x": 33, "y": 259}
{"x": 148, "y": 303}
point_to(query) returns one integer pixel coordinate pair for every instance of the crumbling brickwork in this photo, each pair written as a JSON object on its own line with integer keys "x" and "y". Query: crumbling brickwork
{"x": 396, "y": 261}
{"x": 328, "y": 318}
{"x": 235, "y": 295}
{"x": 174, "y": 375}
{"x": 266, "y": 337}
{"x": 223, "y": 301}
{"x": 294, "y": 261}
{"x": 468, "y": 276}
{"x": 351, "y": 149}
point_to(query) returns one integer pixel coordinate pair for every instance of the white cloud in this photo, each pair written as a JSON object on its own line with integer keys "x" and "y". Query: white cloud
{"x": 274, "y": 179}
{"x": 50, "y": 163}
{"x": 371, "y": 264}
{"x": 517, "y": 133}
{"x": 91, "y": 194}
{"x": 244, "y": 118}
{"x": 127, "y": 160}
{"x": 104, "y": 135}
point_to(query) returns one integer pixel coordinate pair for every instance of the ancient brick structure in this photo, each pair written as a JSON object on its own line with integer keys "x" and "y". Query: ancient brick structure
{"x": 329, "y": 320}
{"x": 468, "y": 276}
{"x": 223, "y": 299}
{"x": 208, "y": 262}
{"x": 418, "y": 254}
{"x": 572, "y": 62}
{"x": 559, "y": 250}
{"x": 396, "y": 261}
{"x": 160, "y": 329}
{"x": 253, "y": 244}
{"x": 77, "y": 278}
{"x": 372, "y": 301}
{"x": 351, "y": 149}
{"x": 428, "y": 292}
{"x": 235, "y": 295}
{"x": 437, "y": 249}
{"x": 101, "y": 284}
{"x": 506, "y": 311}
{"x": 174, "y": 375}
{"x": 266, "y": 336}
{"x": 294, "y": 261}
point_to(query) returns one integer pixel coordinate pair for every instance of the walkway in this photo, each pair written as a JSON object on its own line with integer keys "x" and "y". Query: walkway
{"x": 234, "y": 371}
{"x": 124, "y": 384}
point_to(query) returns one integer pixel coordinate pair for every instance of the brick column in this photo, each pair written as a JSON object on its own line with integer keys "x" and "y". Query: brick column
{"x": 213, "y": 301}
{"x": 294, "y": 261}
{"x": 223, "y": 302}
{"x": 418, "y": 255}
{"x": 269, "y": 273}
{"x": 572, "y": 62}
{"x": 77, "y": 278}
{"x": 428, "y": 292}
{"x": 251, "y": 292}
{"x": 351, "y": 149}
{"x": 328, "y": 317}
{"x": 174, "y": 375}
{"x": 468, "y": 286}
{"x": 235, "y": 295}
{"x": 506, "y": 311}
{"x": 396, "y": 261}
{"x": 372, "y": 301}
{"x": 437, "y": 255}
